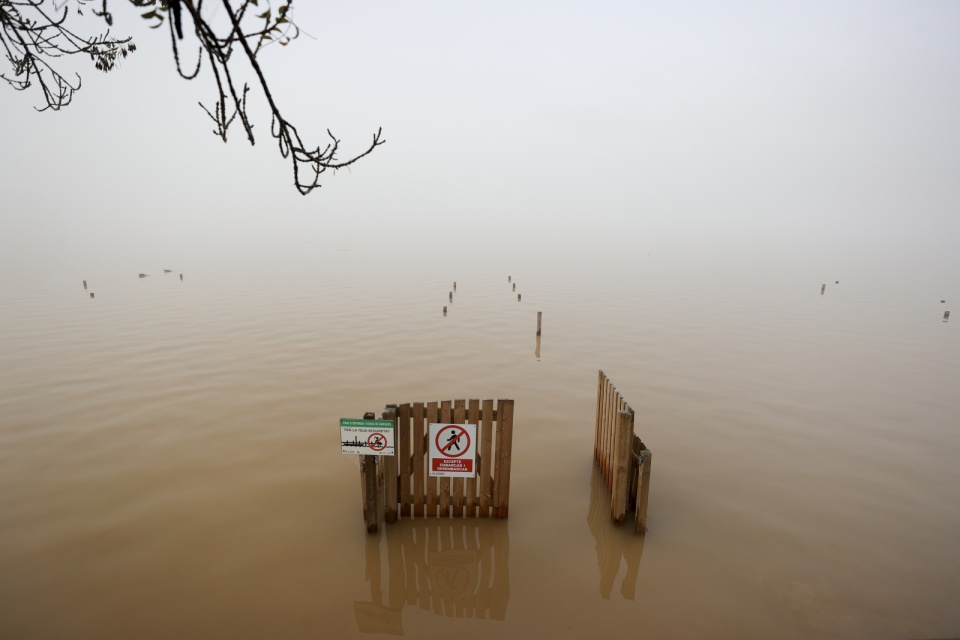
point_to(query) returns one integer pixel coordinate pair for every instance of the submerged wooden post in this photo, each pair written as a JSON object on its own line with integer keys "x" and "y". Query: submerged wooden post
{"x": 389, "y": 465}
{"x": 539, "y": 321}
{"x": 444, "y": 310}
{"x": 454, "y": 285}
{"x": 368, "y": 469}
{"x": 514, "y": 286}
{"x": 946, "y": 314}
{"x": 643, "y": 491}
{"x": 504, "y": 455}
{"x": 84, "y": 285}
{"x": 823, "y": 288}
{"x": 621, "y": 466}
{"x": 92, "y": 296}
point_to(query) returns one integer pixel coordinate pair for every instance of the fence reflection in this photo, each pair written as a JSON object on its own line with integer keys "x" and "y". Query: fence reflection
{"x": 614, "y": 544}
{"x": 450, "y": 568}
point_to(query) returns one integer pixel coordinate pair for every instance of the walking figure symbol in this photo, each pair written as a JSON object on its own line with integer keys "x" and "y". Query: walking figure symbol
{"x": 453, "y": 440}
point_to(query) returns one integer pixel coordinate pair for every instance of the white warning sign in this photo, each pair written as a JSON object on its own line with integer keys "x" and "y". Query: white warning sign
{"x": 453, "y": 449}
{"x": 366, "y": 437}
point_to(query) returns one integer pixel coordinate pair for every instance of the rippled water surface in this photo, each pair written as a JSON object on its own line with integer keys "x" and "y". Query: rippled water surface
{"x": 170, "y": 463}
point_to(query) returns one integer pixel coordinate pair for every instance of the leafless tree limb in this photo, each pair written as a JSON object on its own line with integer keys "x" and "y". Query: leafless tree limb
{"x": 33, "y": 34}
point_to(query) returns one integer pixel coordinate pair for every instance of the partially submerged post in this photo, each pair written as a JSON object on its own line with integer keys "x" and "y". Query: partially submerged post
{"x": 823, "y": 288}
{"x": 368, "y": 470}
{"x": 539, "y": 319}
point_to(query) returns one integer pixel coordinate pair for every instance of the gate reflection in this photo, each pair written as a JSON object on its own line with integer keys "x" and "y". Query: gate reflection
{"x": 615, "y": 543}
{"x": 452, "y": 568}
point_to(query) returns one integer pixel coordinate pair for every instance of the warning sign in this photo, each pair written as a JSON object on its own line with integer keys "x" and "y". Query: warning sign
{"x": 366, "y": 437}
{"x": 453, "y": 450}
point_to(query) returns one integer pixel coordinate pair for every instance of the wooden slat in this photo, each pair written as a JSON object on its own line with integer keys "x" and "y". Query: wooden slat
{"x": 473, "y": 417}
{"x": 389, "y": 470}
{"x": 504, "y": 446}
{"x": 603, "y": 428}
{"x": 597, "y": 425}
{"x": 608, "y": 401}
{"x": 601, "y": 423}
{"x": 446, "y": 415}
{"x": 433, "y": 415}
{"x": 404, "y": 457}
{"x": 459, "y": 417}
{"x": 419, "y": 455}
{"x": 486, "y": 447}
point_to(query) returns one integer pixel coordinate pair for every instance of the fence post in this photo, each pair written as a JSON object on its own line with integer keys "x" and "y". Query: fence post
{"x": 597, "y": 430}
{"x": 643, "y": 491}
{"x": 389, "y": 463}
{"x": 368, "y": 470}
{"x": 504, "y": 446}
{"x": 621, "y": 466}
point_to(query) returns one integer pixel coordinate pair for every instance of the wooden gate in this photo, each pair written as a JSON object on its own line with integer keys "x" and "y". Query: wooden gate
{"x": 621, "y": 455}
{"x": 400, "y": 486}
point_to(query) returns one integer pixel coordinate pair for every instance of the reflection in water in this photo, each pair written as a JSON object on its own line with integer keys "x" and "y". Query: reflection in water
{"x": 453, "y": 569}
{"x": 613, "y": 541}
{"x": 536, "y": 352}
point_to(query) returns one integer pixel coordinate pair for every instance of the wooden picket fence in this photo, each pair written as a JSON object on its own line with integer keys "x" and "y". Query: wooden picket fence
{"x": 621, "y": 455}
{"x": 399, "y": 486}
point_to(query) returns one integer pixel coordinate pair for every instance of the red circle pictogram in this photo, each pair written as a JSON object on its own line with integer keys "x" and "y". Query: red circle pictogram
{"x": 377, "y": 441}
{"x": 454, "y": 433}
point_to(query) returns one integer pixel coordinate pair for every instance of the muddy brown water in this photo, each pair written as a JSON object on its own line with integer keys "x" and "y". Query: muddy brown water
{"x": 170, "y": 466}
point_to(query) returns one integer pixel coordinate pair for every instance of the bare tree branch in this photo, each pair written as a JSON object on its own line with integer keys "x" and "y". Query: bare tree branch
{"x": 33, "y": 35}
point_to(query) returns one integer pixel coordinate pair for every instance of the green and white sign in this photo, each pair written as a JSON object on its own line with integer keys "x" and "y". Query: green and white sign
{"x": 366, "y": 437}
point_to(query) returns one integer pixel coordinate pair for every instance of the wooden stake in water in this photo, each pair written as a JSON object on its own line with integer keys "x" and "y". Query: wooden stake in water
{"x": 823, "y": 288}
{"x": 444, "y": 311}
{"x": 91, "y": 295}
{"x": 181, "y": 277}
{"x": 451, "y": 296}
{"x": 368, "y": 469}
{"x": 454, "y": 285}
{"x": 514, "y": 286}
{"x": 508, "y": 278}
{"x": 85, "y": 286}
{"x": 946, "y": 314}
{"x": 539, "y": 321}
{"x": 518, "y": 297}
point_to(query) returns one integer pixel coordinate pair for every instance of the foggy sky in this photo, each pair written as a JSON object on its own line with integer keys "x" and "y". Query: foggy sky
{"x": 827, "y": 129}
